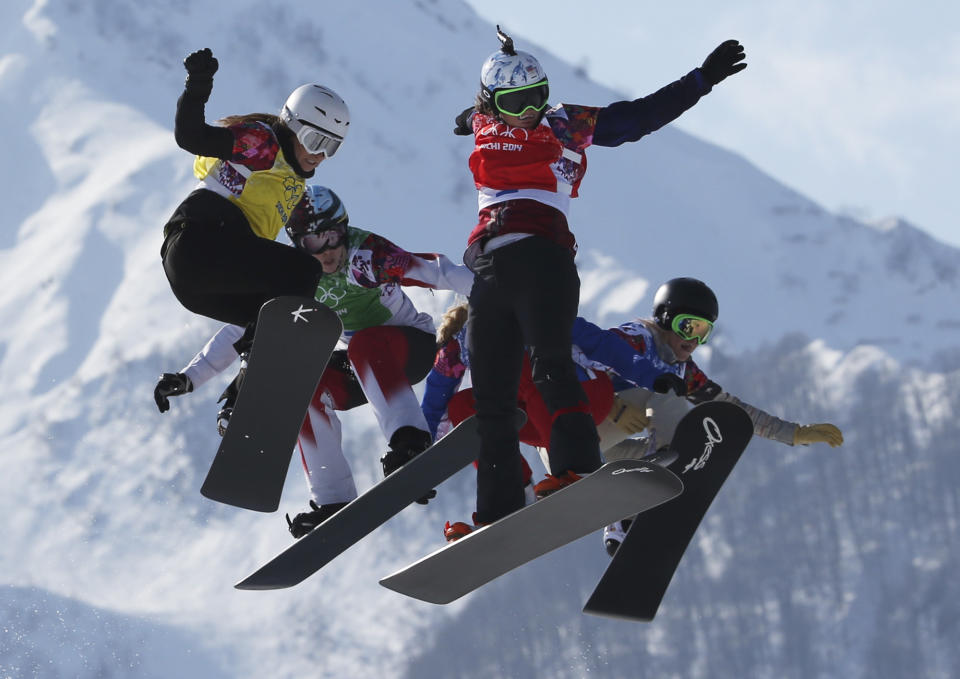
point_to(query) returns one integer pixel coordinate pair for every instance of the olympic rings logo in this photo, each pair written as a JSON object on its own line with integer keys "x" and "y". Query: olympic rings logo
{"x": 331, "y": 297}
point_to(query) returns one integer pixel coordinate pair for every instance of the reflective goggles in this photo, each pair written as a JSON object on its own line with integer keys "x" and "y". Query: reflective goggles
{"x": 315, "y": 243}
{"x": 519, "y": 100}
{"x": 690, "y": 327}
{"x": 315, "y": 139}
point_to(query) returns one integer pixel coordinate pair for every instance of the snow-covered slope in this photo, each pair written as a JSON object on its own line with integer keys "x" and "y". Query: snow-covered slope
{"x": 113, "y": 564}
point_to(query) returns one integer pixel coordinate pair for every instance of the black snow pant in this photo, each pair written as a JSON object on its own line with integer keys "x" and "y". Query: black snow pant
{"x": 525, "y": 297}
{"x": 219, "y": 268}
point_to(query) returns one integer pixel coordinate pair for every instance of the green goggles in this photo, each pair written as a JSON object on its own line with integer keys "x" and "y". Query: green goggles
{"x": 518, "y": 100}
{"x": 691, "y": 327}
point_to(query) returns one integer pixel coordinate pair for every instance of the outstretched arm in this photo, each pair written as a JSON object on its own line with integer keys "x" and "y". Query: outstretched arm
{"x": 772, "y": 427}
{"x": 215, "y": 357}
{"x": 625, "y": 121}
{"x": 393, "y": 264}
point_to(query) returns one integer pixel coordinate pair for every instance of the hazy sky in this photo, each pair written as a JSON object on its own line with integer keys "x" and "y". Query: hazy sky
{"x": 855, "y": 104}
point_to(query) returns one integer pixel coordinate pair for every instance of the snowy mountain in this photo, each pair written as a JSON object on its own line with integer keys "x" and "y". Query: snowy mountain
{"x": 813, "y": 562}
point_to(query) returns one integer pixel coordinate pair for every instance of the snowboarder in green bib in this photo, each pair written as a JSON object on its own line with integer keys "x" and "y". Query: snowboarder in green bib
{"x": 390, "y": 345}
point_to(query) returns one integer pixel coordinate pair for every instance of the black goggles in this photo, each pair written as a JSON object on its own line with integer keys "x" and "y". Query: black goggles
{"x": 518, "y": 100}
{"x": 315, "y": 243}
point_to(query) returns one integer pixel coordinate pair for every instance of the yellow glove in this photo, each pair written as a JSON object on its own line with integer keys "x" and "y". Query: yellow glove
{"x": 629, "y": 418}
{"x": 818, "y": 433}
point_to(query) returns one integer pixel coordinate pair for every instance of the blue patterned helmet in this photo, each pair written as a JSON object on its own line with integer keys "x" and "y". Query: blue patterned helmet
{"x": 510, "y": 69}
{"x": 503, "y": 71}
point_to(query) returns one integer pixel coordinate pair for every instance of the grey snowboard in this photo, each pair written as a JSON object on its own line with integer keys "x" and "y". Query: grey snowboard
{"x": 348, "y": 526}
{"x": 613, "y": 492}
{"x": 292, "y": 344}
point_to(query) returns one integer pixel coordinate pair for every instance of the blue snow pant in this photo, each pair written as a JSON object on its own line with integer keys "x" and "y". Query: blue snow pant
{"x": 525, "y": 295}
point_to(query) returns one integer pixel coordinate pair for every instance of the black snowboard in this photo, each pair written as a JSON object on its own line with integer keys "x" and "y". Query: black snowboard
{"x": 348, "y": 526}
{"x": 618, "y": 489}
{"x": 709, "y": 441}
{"x": 293, "y": 342}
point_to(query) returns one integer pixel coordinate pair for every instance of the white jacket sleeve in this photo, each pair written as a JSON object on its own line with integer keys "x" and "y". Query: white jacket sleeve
{"x": 440, "y": 273}
{"x": 217, "y": 354}
{"x": 765, "y": 425}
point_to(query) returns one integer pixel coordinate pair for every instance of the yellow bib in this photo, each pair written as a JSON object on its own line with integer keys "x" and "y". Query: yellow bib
{"x": 266, "y": 197}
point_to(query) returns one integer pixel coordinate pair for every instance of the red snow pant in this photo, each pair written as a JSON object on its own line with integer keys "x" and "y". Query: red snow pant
{"x": 536, "y": 430}
{"x": 390, "y": 359}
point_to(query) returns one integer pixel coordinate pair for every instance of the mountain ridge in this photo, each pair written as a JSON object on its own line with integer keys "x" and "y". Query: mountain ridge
{"x": 822, "y": 318}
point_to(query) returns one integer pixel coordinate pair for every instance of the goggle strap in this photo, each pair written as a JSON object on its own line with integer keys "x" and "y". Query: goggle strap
{"x": 511, "y": 90}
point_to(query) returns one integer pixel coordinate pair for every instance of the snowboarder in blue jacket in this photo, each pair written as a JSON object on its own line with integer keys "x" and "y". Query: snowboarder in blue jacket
{"x": 684, "y": 313}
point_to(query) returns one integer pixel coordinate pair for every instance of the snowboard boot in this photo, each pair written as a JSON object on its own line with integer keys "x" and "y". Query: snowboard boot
{"x": 229, "y": 397}
{"x": 614, "y": 534}
{"x": 406, "y": 443}
{"x": 223, "y": 418}
{"x": 551, "y": 484}
{"x": 454, "y": 531}
{"x": 305, "y": 522}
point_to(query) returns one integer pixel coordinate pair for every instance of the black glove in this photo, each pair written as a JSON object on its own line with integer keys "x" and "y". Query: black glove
{"x": 170, "y": 384}
{"x": 668, "y": 382}
{"x": 723, "y": 61}
{"x": 426, "y": 498}
{"x": 462, "y": 127}
{"x": 200, "y": 65}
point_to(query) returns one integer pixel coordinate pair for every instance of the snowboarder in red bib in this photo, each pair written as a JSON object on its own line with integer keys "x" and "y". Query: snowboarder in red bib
{"x": 527, "y": 163}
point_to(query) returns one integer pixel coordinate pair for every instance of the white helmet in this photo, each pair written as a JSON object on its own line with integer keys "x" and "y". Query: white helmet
{"x": 318, "y": 117}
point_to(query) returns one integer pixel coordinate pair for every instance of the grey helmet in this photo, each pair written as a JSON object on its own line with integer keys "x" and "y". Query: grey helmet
{"x": 318, "y": 117}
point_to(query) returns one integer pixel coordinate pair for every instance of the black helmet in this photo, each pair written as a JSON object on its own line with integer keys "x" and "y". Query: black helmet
{"x": 684, "y": 296}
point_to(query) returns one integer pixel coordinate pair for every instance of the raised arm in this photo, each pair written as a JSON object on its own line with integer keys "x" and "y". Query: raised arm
{"x": 191, "y": 130}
